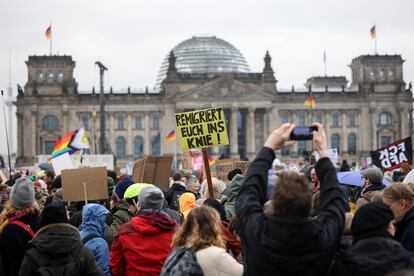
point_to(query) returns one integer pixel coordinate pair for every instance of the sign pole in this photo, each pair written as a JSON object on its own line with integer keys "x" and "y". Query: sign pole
{"x": 85, "y": 193}
{"x": 208, "y": 175}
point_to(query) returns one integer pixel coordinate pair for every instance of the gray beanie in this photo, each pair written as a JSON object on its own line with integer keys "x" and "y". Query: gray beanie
{"x": 373, "y": 174}
{"x": 22, "y": 194}
{"x": 151, "y": 197}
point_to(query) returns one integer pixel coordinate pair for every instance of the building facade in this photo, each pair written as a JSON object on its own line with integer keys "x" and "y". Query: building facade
{"x": 374, "y": 109}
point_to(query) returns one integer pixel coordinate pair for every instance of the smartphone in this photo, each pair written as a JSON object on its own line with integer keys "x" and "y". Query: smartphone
{"x": 302, "y": 133}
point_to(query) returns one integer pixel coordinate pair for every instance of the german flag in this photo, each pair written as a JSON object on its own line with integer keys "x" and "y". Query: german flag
{"x": 48, "y": 32}
{"x": 171, "y": 136}
{"x": 211, "y": 161}
{"x": 373, "y": 32}
{"x": 310, "y": 100}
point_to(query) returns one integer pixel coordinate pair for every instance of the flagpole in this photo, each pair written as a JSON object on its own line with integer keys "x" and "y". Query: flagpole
{"x": 375, "y": 43}
{"x": 324, "y": 61}
{"x": 175, "y": 154}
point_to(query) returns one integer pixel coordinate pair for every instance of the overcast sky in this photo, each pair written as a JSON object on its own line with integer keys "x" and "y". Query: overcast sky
{"x": 132, "y": 37}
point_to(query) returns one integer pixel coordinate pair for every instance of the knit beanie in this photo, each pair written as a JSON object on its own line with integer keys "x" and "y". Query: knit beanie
{"x": 122, "y": 186}
{"x": 22, "y": 194}
{"x": 54, "y": 212}
{"x": 216, "y": 205}
{"x": 151, "y": 197}
{"x": 371, "y": 220}
{"x": 373, "y": 174}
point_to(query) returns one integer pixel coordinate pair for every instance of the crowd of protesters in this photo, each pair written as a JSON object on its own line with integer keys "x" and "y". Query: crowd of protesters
{"x": 299, "y": 221}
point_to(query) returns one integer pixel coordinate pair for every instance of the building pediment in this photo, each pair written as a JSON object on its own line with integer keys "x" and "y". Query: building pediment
{"x": 225, "y": 88}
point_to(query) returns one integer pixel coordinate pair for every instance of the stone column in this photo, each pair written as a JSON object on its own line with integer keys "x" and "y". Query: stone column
{"x": 65, "y": 116}
{"x": 34, "y": 133}
{"x": 234, "y": 143}
{"x": 327, "y": 125}
{"x": 147, "y": 135}
{"x": 266, "y": 123}
{"x": 410, "y": 123}
{"x": 374, "y": 138}
{"x": 250, "y": 134}
{"x": 364, "y": 131}
{"x": 20, "y": 134}
{"x": 111, "y": 138}
{"x": 403, "y": 123}
{"x": 129, "y": 137}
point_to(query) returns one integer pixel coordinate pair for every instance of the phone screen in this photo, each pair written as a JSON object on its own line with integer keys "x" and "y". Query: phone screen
{"x": 302, "y": 133}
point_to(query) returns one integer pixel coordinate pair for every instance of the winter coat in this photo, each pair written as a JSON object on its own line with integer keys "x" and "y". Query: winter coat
{"x": 14, "y": 243}
{"x": 57, "y": 241}
{"x": 372, "y": 256}
{"x": 187, "y": 203}
{"x": 142, "y": 245}
{"x": 288, "y": 246}
{"x": 405, "y": 231}
{"x": 41, "y": 197}
{"x": 234, "y": 188}
{"x": 368, "y": 193}
{"x": 174, "y": 193}
{"x": 216, "y": 261}
{"x": 93, "y": 223}
{"x": 120, "y": 215}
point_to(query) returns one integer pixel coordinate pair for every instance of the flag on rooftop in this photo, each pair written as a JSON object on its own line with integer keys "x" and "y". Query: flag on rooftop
{"x": 373, "y": 32}
{"x": 48, "y": 32}
{"x": 310, "y": 100}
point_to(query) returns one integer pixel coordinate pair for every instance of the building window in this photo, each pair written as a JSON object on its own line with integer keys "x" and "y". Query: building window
{"x": 155, "y": 121}
{"x": 335, "y": 142}
{"x": 156, "y": 145}
{"x": 49, "y": 147}
{"x": 50, "y": 76}
{"x": 301, "y": 120}
{"x": 352, "y": 143}
{"x": 86, "y": 122}
{"x": 382, "y": 73}
{"x": 138, "y": 147}
{"x": 120, "y": 122}
{"x": 138, "y": 121}
{"x": 351, "y": 120}
{"x": 385, "y": 118}
{"x": 60, "y": 76}
{"x": 301, "y": 147}
{"x": 40, "y": 76}
{"x": 318, "y": 118}
{"x": 285, "y": 151}
{"x": 372, "y": 73}
{"x": 285, "y": 118}
{"x": 120, "y": 148}
{"x": 391, "y": 74}
{"x": 385, "y": 140}
{"x": 50, "y": 122}
{"x": 335, "y": 120}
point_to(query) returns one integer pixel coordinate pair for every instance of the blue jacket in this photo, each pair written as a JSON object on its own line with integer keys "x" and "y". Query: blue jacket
{"x": 93, "y": 223}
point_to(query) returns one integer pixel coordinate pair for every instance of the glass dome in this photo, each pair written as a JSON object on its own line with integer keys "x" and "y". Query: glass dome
{"x": 205, "y": 54}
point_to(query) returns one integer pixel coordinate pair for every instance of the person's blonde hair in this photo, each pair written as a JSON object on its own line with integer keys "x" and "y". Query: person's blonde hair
{"x": 200, "y": 230}
{"x": 399, "y": 191}
{"x": 218, "y": 188}
{"x": 11, "y": 211}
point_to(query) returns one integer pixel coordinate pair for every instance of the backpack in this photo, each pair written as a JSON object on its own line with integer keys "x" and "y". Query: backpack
{"x": 175, "y": 200}
{"x": 182, "y": 261}
{"x": 47, "y": 265}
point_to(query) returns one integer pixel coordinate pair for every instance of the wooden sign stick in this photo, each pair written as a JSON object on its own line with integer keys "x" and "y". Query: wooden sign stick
{"x": 208, "y": 175}
{"x": 85, "y": 193}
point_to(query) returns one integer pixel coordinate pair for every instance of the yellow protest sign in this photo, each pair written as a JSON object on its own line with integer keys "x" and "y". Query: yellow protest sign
{"x": 201, "y": 128}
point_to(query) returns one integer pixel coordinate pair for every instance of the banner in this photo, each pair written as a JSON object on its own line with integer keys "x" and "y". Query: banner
{"x": 201, "y": 128}
{"x": 393, "y": 155}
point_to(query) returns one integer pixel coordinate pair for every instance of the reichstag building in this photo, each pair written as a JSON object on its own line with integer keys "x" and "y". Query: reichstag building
{"x": 371, "y": 110}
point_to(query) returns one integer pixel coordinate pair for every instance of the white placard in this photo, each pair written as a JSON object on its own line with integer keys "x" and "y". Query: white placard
{"x": 62, "y": 162}
{"x": 332, "y": 155}
{"x": 98, "y": 160}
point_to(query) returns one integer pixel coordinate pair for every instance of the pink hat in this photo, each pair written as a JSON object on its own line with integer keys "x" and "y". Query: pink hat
{"x": 40, "y": 183}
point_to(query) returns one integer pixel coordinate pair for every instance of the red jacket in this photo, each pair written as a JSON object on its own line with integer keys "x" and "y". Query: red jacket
{"x": 142, "y": 245}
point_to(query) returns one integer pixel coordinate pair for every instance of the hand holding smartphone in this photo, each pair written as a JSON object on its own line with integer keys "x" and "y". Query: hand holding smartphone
{"x": 302, "y": 133}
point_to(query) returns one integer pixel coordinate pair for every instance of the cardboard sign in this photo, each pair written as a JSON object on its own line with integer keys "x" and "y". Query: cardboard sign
{"x": 201, "y": 128}
{"x": 96, "y": 184}
{"x": 62, "y": 162}
{"x": 153, "y": 170}
{"x": 223, "y": 166}
{"x": 393, "y": 155}
{"x": 243, "y": 166}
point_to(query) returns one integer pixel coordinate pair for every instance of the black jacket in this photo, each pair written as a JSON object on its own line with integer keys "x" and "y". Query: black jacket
{"x": 14, "y": 243}
{"x": 57, "y": 241}
{"x": 283, "y": 246}
{"x": 173, "y": 194}
{"x": 405, "y": 231}
{"x": 373, "y": 256}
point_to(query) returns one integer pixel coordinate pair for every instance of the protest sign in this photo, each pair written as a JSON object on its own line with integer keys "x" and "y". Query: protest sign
{"x": 223, "y": 166}
{"x": 201, "y": 128}
{"x": 97, "y": 160}
{"x": 3, "y": 176}
{"x": 62, "y": 162}
{"x": 153, "y": 170}
{"x": 85, "y": 184}
{"x": 332, "y": 155}
{"x": 393, "y": 155}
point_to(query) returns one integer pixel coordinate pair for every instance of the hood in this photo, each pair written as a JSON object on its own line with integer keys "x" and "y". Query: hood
{"x": 93, "y": 220}
{"x": 373, "y": 187}
{"x": 57, "y": 239}
{"x": 234, "y": 188}
{"x": 180, "y": 183}
{"x": 376, "y": 256}
{"x": 153, "y": 222}
{"x": 187, "y": 202}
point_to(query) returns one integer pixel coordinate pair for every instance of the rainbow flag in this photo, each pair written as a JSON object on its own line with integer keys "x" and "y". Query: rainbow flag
{"x": 310, "y": 100}
{"x": 373, "y": 32}
{"x": 62, "y": 145}
{"x": 171, "y": 136}
{"x": 48, "y": 32}
{"x": 80, "y": 140}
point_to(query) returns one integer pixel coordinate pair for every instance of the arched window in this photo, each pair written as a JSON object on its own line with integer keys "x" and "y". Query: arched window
{"x": 335, "y": 142}
{"x": 318, "y": 118}
{"x": 50, "y": 122}
{"x": 335, "y": 120}
{"x": 120, "y": 147}
{"x": 60, "y": 76}
{"x": 351, "y": 120}
{"x": 120, "y": 122}
{"x": 138, "y": 121}
{"x": 138, "y": 147}
{"x": 40, "y": 76}
{"x": 156, "y": 145}
{"x": 385, "y": 118}
{"x": 301, "y": 146}
{"x": 155, "y": 121}
{"x": 352, "y": 147}
{"x": 285, "y": 118}
{"x": 373, "y": 73}
{"x": 86, "y": 122}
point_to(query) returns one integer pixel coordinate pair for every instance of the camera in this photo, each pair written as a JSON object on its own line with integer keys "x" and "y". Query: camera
{"x": 302, "y": 133}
